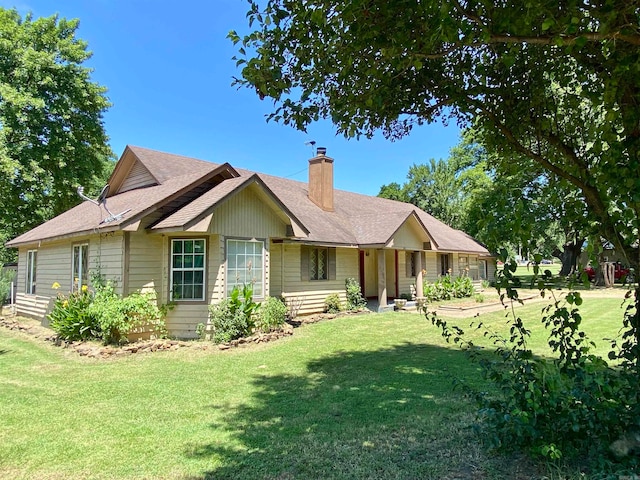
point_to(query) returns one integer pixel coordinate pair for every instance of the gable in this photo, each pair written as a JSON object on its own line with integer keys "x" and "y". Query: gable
{"x": 247, "y": 214}
{"x": 411, "y": 235}
{"x": 137, "y": 177}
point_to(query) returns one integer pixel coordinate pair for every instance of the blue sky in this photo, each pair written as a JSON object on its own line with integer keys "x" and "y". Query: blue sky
{"x": 168, "y": 69}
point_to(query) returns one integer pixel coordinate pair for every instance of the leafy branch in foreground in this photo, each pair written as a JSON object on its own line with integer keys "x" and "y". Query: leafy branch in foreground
{"x": 573, "y": 407}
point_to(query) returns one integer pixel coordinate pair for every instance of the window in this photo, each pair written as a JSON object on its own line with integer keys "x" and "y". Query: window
{"x": 245, "y": 265}
{"x": 411, "y": 259}
{"x": 32, "y": 256}
{"x": 187, "y": 269}
{"x": 80, "y": 273}
{"x": 482, "y": 266}
{"x": 318, "y": 263}
{"x": 411, "y": 264}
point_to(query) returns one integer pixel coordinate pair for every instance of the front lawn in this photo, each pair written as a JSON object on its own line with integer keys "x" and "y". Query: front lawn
{"x": 365, "y": 396}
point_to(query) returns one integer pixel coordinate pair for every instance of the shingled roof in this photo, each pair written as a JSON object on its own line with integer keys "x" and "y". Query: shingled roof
{"x": 178, "y": 191}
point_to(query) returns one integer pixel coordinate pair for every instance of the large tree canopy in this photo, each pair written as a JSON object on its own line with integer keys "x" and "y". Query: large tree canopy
{"x": 51, "y": 133}
{"x": 554, "y": 82}
{"x": 445, "y": 188}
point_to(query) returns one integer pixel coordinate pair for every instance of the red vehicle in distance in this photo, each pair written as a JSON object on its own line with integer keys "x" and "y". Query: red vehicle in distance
{"x": 620, "y": 273}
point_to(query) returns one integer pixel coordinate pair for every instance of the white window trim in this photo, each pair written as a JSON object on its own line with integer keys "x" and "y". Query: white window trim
{"x": 192, "y": 269}
{"x": 263, "y": 282}
{"x": 31, "y": 273}
{"x": 81, "y": 281}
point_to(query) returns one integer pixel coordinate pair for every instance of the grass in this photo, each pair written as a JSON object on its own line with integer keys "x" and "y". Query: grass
{"x": 355, "y": 397}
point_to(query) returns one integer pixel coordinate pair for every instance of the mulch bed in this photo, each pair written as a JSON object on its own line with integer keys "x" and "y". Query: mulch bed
{"x": 94, "y": 349}
{"x": 97, "y": 350}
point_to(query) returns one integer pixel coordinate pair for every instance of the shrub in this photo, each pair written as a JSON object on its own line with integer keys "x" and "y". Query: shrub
{"x": 118, "y": 316}
{"x": 355, "y": 300}
{"x": 445, "y": 288}
{"x": 233, "y": 317}
{"x": 228, "y": 323}
{"x": 6, "y": 277}
{"x": 332, "y": 304}
{"x": 71, "y": 319}
{"x": 479, "y": 298}
{"x": 272, "y": 314}
{"x": 574, "y": 406}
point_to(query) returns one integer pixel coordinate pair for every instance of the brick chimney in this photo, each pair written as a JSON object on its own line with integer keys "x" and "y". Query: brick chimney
{"x": 321, "y": 180}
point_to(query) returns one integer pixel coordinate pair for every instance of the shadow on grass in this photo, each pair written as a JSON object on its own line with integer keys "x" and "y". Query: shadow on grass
{"x": 378, "y": 414}
{"x": 3, "y": 352}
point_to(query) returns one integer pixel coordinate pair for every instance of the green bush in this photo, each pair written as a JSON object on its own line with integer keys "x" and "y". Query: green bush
{"x": 332, "y": 304}
{"x": 228, "y": 323}
{"x": 6, "y": 277}
{"x": 71, "y": 319}
{"x": 234, "y": 317}
{"x": 355, "y": 300}
{"x": 272, "y": 314}
{"x": 118, "y": 316}
{"x": 446, "y": 288}
{"x": 572, "y": 407}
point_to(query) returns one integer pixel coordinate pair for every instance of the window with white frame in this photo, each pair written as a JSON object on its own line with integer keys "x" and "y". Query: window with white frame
{"x": 245, "y": 265}
{"x": 188, "y": 268}
{"x": 80, "y": 272}
{"x": 32, "y": 257}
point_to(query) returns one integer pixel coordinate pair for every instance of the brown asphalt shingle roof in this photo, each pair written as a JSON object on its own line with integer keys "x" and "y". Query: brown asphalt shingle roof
{"x": 357, "y": 219}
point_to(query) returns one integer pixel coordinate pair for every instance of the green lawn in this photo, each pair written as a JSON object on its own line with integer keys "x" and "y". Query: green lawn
{"x": 355, "y": 397}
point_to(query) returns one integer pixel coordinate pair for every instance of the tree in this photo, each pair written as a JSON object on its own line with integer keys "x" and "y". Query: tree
{"x": 52, "y": 137}
{"x": 444, "y": 188}
{"x": 529, "y": 209}
{"x": 557, "y": 83}
{"x": 392, "y": 191}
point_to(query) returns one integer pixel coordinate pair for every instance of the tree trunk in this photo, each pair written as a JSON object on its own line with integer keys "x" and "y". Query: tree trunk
{"x": 569, "y": 256}
{"x": 608, "y": 270}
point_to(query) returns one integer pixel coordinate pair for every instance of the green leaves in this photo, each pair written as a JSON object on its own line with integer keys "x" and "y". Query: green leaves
{"x": 52, "y": 136}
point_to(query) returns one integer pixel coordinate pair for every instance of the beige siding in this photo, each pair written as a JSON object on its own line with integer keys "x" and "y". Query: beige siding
{"x": 432, "y": 267}
{"x": 54, "y": 265}
{"x": 370, "y": 273}
{"x": 184, "y": 317}
{"x": 277, "y": 269}
{"x": 404, "y": 282}
{"x": 21, "y": 275}
{"x": 390, "y": 267}
{"x": 312, "y": 294}
{"x": 410, "y": 236}
{"x": 34, "y": 306}
{"x": 245, "y": 215}
{"x": 106, "y": 254}
{"x": 147, "y": 260}
{"x": 138, "y": 177}
{"x": 491, "y": 269}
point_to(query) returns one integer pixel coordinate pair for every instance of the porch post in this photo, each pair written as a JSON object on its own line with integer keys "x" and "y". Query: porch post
{"x": 382, "y": 279}
{"x": 419, "y": 279}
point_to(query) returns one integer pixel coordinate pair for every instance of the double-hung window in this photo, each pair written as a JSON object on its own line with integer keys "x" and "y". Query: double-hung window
{"x": 80, "y": 272}
{"x": 245, "y": 265}
{"x": 32, "y": 257}
{"x": 188, "y": 268}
